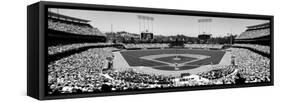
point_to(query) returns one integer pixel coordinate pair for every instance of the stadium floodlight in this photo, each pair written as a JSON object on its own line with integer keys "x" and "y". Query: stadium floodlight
{"x": 145, "y": 23}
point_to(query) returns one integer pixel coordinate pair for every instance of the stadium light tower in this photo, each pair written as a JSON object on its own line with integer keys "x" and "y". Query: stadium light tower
{"x": 230, "y": 38}
{"x": 145, "y": 27}
{"x": 204, "y": 25}
{"x": 204, "y": 32}
{"x": 145, "y": 23}
{"x": 111, "y": 31}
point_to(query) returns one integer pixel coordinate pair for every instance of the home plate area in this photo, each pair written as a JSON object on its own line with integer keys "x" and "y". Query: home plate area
{"x": 169, "y": 61}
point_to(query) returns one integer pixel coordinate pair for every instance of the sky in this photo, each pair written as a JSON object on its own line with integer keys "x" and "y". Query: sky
{"x": 162, "y": 24}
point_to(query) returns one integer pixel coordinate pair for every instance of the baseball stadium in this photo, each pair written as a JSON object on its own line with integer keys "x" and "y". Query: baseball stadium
{"x": 84, "y": 58}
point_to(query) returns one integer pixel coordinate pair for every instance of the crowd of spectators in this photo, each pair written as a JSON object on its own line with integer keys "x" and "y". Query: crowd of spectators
{"x": 84, "y": 72}
{"x": 203, "y": 46}
{"x": 254, "y": 34}
{"x": 137, "y": 77}
{"x": 217, "y": 73}
{"x": 82, "y": 29}
{"x": 252, "y": 66}
{"x": 161, "y": 45}
{"x": 154, "y": 45}
{"x": 261, "y": 48}
{"x": 79, "y": 72}
{"x": 62, "y": 48}
{"x": 132, "y": 80}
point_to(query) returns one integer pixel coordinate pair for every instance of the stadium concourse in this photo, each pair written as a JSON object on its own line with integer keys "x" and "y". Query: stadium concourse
{"x": 82, "y": 61}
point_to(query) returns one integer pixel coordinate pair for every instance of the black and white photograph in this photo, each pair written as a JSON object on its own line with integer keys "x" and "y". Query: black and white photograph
{"x": 95, "y": 51}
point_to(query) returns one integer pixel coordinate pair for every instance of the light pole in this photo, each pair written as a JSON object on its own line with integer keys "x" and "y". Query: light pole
{"x": 230, "y": 38}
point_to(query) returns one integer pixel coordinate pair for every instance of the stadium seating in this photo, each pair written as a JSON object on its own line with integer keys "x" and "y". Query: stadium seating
{"x": 62, "y": 48}
{"x": 252, "y": 66}
{"x": 261, "y": 48}
{"x": 154, "y": 45}
{"x": 204, "y": 46}
{"x": 254, "y": 34}
{"x": 78, "y": 72}
{"x": 73, "y": 28}
{"x": 217, "y": 73}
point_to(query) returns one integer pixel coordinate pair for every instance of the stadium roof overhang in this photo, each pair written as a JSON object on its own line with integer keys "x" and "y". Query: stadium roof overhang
{"x": 52, "y": 14}
{"x": 263, "y": 25}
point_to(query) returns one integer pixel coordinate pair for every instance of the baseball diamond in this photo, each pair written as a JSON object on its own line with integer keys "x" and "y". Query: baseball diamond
{"x": 159, "y": 61}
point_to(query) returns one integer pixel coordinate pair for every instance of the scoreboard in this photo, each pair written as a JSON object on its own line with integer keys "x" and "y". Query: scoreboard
{"x": 204, "y": 36}
{"x": 146, "y": 36}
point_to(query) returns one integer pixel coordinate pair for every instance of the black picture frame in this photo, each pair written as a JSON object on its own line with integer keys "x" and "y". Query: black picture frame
{"x": 37, "y": 48}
